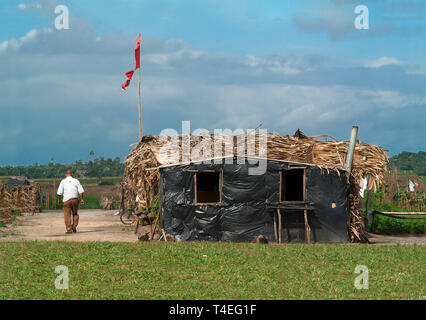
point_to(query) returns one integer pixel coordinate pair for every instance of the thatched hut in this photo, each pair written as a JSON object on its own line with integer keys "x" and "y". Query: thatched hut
{"x": 304, "y": 193}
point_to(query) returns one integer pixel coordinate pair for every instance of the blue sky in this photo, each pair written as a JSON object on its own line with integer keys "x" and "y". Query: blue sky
{"x": 220, "y": 64}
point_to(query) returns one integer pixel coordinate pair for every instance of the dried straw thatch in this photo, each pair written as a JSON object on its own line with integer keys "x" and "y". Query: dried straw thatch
{"x": 5, "y": 216}
{"x": 142, "y": 164}
{"x": 25, "y": 198}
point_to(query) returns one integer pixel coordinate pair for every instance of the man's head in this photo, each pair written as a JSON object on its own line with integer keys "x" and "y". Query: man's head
{"x": 68, "y": 173}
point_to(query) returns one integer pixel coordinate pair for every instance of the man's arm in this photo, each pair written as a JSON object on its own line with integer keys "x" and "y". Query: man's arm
{"x": 81, "y": 191}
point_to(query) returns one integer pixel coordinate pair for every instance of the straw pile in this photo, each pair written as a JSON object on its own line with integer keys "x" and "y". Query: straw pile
{"x": 142, "y": 173}
{"x": 5, "y": 216}
{"x": 26, "y": 198}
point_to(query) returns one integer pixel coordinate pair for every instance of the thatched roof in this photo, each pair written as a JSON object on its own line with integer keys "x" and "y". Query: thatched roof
{"x": 368, "y": 159}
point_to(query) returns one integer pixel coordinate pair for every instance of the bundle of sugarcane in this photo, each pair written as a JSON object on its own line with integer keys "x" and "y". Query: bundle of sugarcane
{"x": 357, "y": 223}
{"x": 24, "y": 198}
{"x": 5, "y": 216}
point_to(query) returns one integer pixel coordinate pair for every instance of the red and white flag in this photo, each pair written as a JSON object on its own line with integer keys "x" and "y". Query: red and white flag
{"x": 129, "y": 74}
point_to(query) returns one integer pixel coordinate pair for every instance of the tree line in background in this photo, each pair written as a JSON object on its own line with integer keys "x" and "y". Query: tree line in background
{"x": 96, "y": 168}
{"x": 412, "y": 162}
{"x": 409, "y": 161}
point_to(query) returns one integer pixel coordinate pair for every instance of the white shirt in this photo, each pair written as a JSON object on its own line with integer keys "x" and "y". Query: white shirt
{"x": 70, "y": 188}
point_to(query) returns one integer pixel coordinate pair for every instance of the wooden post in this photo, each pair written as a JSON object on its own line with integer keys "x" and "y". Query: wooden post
{"x": 48, "y": 200}
{"x": 54, "y": 194}
{"x": 275, "y": 227}
{"x": 305, "y": 212}
{"x": 155, "y": 224}
{"x": 137, "y": 224}
{"x": 279, "y": 225}
{"x": 351, "y": 148}
{"x": 307, "y": 227}
{"x": 148, "y": 204}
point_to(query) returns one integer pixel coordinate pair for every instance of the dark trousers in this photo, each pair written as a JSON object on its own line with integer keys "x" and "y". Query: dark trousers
{"x": 71, "y": 214}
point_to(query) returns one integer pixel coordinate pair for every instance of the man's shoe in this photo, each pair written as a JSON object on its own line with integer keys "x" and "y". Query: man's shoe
{"x": 74, "y": 230}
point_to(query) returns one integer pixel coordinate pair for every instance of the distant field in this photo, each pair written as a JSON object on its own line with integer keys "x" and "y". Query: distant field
{"x": 112, "y": 180}
{"x": 195, "y": 270}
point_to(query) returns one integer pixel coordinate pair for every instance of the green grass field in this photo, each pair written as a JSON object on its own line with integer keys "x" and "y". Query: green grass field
{"x": 91, "y": 202}
{"x": 209, "y": 271}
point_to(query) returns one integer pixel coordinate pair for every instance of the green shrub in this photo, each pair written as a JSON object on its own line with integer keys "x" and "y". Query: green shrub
{"x": 387, "y": 225}
{"x": 91, "y": 202}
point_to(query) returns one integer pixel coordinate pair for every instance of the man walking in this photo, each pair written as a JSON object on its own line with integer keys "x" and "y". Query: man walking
{"x": 70, "y": 188}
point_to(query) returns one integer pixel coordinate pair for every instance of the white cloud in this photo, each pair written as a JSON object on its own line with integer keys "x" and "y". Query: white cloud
{"x": 393, "y": 99}
{"x": 380, "y": 62}
{"x": 28, "y": 37}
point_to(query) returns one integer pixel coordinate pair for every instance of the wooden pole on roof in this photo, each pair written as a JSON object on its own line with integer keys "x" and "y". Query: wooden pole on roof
{"x": 351, "y": 148}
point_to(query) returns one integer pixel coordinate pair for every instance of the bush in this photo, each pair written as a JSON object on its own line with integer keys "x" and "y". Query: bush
{"x": 387, "y": 225}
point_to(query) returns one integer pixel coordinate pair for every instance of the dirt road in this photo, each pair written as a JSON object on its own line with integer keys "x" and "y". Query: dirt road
{"x": 102, "y": 225}
{"x": 94, "y": 225}
{"x": 397, "y": 239}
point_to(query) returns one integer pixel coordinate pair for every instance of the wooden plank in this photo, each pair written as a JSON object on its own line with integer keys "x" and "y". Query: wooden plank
{"x": 408, "y": 217}
{"x": 400, "y": 213}
{"x": 298, "y": 208}
{"x": 294, "y": 202}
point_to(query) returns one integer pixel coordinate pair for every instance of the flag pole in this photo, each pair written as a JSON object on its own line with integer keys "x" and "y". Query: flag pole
{"x": 140, "y": 109}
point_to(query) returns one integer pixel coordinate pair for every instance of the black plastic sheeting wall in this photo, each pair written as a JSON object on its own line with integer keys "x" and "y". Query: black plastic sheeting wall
{"x": 12, "y": 183}
{"x": 243, "y": 212}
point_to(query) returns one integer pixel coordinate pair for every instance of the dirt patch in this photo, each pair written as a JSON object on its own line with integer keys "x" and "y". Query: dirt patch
{"x": 396, "y": 239}
{"x": 94, "y": 225}
{"x": 103, "y": 225}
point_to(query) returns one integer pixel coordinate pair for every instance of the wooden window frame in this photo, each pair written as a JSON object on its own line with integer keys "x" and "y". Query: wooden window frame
{"x": 220, "y": 189}
{"x": 281, "y": 185}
